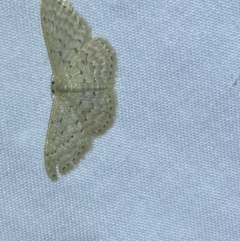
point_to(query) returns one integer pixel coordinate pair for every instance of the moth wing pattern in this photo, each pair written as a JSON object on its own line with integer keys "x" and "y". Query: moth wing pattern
{"x": 84, "y": 102}
{"x": 94, "y": 66}
{"x": 64, "y": 32}
{"x": 66, "y": 139}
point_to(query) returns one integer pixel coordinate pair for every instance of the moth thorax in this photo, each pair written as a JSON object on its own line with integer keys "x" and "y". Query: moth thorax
{"x": 60, "y": 87}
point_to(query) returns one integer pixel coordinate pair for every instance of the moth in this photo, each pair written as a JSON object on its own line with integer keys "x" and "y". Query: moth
{"x": 84, "y": 98}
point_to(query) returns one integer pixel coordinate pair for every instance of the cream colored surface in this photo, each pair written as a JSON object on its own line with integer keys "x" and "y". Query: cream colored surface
{"x": 84, "y": 101}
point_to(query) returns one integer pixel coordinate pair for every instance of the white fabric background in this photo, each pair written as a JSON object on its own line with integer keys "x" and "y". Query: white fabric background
{"x": 169, "y": 168}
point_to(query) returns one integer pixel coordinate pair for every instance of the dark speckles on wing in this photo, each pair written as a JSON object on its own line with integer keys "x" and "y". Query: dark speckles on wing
{"x": 85, "y": 65}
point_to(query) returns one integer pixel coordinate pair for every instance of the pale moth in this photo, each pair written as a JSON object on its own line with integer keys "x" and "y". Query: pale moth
{"x": 84, "y": 100}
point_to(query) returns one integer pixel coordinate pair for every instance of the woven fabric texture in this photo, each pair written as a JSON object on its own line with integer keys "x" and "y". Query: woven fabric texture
{"x": 169, "y": 167}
